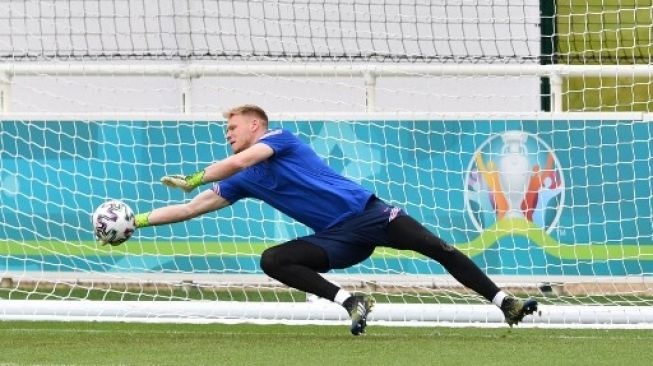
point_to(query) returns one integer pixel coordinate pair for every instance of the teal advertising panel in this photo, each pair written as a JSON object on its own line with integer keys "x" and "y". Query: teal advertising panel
{"x": 521, "y": 197}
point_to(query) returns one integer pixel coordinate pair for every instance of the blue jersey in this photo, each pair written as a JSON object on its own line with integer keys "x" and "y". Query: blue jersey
{"x": 298, "y": 183}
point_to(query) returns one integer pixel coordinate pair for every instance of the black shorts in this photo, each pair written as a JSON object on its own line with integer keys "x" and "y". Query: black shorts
{"x": 354, "y": 239}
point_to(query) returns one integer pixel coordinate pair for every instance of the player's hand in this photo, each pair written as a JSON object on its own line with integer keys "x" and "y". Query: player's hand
{"x": 186, "y": 183}
{"x": 178, "y": 181}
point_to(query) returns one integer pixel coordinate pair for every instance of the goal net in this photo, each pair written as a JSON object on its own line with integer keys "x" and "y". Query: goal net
{"x": 518, "y": 132}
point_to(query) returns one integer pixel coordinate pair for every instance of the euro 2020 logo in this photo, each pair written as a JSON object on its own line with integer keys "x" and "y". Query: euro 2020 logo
{"x": 514, "y": 175}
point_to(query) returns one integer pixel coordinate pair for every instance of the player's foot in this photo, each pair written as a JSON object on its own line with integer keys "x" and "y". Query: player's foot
{"x": 515, "y": 310}
{"x": 358, "y": 307}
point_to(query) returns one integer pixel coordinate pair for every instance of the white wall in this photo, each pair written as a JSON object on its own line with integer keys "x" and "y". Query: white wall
{"x": 131, "y": 31}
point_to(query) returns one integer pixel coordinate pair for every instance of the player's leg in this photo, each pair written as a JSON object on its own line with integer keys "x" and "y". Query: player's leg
{"x": 296, "y": 263}
{"x": 405, "y": 233}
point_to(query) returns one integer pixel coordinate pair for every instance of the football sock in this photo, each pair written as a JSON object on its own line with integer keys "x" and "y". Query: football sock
{"x": 341, "y": 296}
{"x": 498, "y": 298}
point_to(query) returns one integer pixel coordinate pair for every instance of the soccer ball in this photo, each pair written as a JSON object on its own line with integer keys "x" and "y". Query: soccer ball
{"x": 113, "y": 222}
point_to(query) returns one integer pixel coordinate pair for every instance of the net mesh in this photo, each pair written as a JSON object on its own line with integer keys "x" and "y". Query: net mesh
{"x": 571, "y": 225}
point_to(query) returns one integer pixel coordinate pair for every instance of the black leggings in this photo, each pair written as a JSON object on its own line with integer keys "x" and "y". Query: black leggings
{"x": 296, "y": 263}
{"x": 407, "y": 234}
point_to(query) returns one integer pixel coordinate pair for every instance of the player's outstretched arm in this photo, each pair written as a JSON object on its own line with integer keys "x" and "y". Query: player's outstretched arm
{"x": 220, "y": 169}
{"x": 204, "y": 202}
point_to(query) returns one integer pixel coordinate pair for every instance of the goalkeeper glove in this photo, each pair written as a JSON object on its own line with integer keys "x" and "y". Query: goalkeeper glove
{"x": 186, "y": 183}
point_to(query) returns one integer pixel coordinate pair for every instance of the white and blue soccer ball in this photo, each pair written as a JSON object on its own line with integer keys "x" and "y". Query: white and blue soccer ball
{"x": 113, "y": 222}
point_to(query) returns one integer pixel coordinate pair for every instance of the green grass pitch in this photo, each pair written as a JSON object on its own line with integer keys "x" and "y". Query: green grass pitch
{"x": 70, "y": 343}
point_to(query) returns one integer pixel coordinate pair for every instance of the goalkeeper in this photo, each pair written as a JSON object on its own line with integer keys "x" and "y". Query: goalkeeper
{"x": 349, "y": 221}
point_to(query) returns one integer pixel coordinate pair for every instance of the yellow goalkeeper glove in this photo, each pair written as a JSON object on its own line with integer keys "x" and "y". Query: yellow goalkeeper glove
{"x": 186, "y": 183}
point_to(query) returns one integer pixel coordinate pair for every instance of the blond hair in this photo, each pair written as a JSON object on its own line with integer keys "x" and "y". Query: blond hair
{"x": 249, "y": 109}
